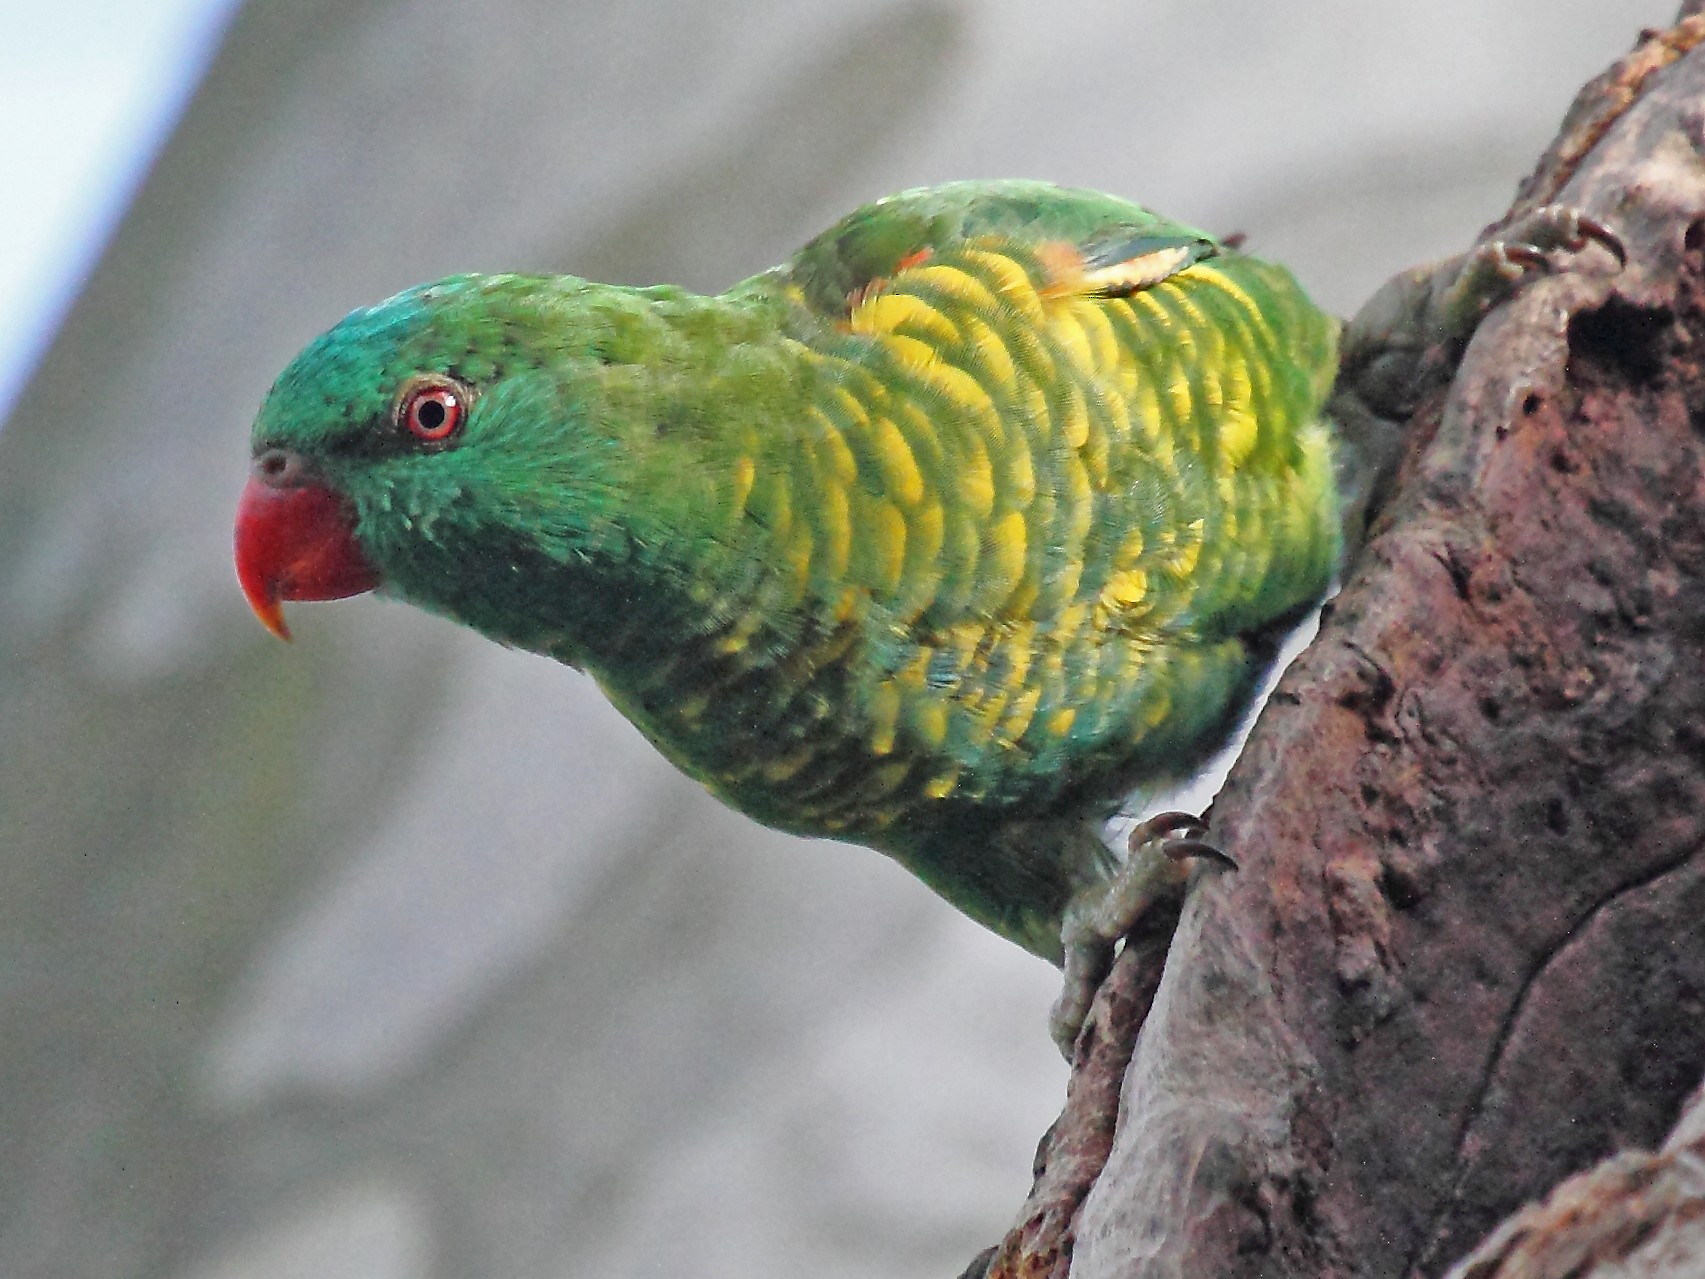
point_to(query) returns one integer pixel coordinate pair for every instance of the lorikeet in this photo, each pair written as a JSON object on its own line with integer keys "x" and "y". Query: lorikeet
{"x": 987, "y": 509}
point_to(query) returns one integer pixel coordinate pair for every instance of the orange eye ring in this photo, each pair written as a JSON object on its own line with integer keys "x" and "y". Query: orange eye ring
{"x": 433, "y": 409}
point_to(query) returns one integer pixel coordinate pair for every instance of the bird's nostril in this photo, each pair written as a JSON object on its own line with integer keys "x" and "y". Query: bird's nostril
{"x": 278, "y": 467}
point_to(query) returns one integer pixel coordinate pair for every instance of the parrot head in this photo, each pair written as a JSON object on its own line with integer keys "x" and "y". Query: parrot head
{"x": 425, "y": 442}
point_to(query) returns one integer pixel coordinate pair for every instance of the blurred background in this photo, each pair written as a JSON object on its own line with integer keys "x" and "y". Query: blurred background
{"x": 396, "y": 955}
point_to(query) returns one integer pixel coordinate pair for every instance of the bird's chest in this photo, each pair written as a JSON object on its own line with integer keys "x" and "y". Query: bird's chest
{"x": 778, "y": 725}
{"x": 831, "y": 729}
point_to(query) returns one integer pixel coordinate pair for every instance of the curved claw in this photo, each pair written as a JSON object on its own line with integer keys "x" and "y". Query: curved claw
{"x": 1589, "y": 228}
{"x": 1181, "y": 850}
{"x": 1165, "y": 826}
{"x": 1522, "y": 255}
{"x": 1557, "y": 226}
{"x": 1178, "y": 836}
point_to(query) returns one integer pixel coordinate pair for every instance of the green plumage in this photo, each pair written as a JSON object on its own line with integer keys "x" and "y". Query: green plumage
{"x": 986, "y": 509}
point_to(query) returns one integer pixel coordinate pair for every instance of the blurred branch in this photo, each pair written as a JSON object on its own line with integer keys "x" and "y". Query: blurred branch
{"x": 1462, "y": 960}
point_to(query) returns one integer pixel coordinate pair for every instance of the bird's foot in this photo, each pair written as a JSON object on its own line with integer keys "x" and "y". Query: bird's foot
{"x": 1157, "y": 867}
{"x": 1409, "y": 336}
{"x": 1403, "y": 347}
{"x": 1494, "y": 270}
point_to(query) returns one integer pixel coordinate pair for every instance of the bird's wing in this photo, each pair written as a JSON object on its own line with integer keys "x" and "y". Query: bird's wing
{"x": 1091, "y": 243}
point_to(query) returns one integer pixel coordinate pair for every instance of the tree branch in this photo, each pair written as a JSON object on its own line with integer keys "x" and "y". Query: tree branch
{"x": 1463, "y": 958}
{"x": 1635, "y": 1216}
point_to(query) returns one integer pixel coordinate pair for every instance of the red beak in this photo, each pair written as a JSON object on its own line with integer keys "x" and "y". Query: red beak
{"x": 295, "y": 540}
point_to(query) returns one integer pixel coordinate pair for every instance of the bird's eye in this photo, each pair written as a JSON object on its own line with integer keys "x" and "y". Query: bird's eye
{"x": 432, "y": 409}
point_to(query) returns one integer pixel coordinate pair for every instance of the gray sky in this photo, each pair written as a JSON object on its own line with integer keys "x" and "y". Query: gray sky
{"x": 88, "y": 90}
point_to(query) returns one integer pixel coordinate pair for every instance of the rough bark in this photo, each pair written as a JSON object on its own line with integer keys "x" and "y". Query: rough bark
{"x": 1465, "y": 956}
{"x": 1074, "y": 1150}
{"x": 1635, "y": 1216}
